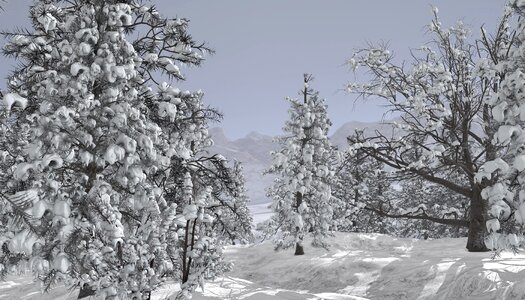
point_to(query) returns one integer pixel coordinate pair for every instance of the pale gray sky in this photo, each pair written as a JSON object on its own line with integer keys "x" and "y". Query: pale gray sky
{"x": 264, "y": 46}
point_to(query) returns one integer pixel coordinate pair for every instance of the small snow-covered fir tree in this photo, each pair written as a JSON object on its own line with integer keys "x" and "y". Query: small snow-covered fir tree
{"x": 218, "y": 217}
{"x": 93, "y": 144}
{"x": 304, "y": 166}
{"x": 235, "y": 222}
{"x": 214, "y": 212}
{"x": 351, "y": 188}
{"x": 360, "y": 185}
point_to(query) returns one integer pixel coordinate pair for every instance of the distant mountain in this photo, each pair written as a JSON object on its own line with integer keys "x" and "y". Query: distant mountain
{"x": 338, "y": 138}
{"x": 253, "y": 151}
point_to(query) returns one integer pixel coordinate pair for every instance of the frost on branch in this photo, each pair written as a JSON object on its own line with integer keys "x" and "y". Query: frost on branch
{"x": 442, "y": 100}
{"x": 13, "y": 99}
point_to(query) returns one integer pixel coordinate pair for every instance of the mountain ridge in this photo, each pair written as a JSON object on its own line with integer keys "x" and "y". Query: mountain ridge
{"x": 253, "y": 151}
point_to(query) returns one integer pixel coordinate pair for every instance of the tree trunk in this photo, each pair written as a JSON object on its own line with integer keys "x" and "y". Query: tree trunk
{"x": 299, "y": 249}
{"x": 298, "y": 245}
{"x": 477, "y": 228}
{"x": 86, "y": 291}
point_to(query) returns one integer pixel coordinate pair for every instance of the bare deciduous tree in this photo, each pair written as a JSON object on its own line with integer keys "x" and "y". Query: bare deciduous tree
{"x": 446, "y": 127}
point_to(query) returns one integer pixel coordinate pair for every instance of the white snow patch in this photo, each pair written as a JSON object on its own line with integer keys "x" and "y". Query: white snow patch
{"x": 11, "y": 99}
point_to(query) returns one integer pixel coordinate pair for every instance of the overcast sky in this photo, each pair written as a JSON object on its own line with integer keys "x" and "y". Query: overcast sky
{"x": 264, "y": 46}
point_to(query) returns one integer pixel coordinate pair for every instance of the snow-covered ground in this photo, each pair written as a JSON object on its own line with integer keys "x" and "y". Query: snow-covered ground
{"x": 357, "y": 266}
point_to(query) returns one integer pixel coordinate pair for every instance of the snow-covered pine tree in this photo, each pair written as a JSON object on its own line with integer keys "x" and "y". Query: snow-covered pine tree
{"x": 214, "y": 207}
{"x": 504, "y": 174}
{"x": 222, "y": 218}
{"x": 445, "y": 127}
{"x": 93, "y": 136}
{"x": 304, "y": 166}
{"x": 235, "y": 222}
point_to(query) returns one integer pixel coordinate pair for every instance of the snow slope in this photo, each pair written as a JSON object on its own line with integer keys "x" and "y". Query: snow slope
{"x": 357, "y": 266}
{"x": 375, "y": 266}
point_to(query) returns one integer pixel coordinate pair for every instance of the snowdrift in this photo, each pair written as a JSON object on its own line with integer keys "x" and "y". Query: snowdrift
{"x": 357, "y": 266}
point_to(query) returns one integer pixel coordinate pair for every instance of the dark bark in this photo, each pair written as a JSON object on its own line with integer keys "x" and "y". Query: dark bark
{"x": 188, "y": 265}
{"x": 184, "y": 265}
{"x": 299, "y": 250}
{"x": 477, "y": 229}
{"x": 86, "y": 291}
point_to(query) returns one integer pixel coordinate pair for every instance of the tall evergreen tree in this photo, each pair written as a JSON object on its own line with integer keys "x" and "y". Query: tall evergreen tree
{"x": 95, "y": 143}
{"x": 304, "y": 166}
